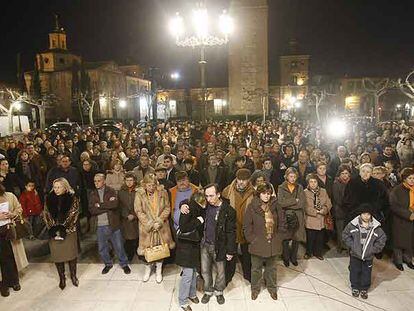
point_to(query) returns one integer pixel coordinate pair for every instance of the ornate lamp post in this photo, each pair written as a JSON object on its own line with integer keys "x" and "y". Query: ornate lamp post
{"x": 197, "y": 34}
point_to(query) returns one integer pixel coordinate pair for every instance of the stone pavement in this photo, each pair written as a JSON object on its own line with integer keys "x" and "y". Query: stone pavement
{"x": 315, "y": 285}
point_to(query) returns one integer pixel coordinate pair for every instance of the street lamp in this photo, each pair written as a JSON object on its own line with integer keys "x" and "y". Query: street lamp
{"x": 17, "y": 105}
{"x": 122, "y": 103}
{"x": 201, "y": 36}
{"x": 175, "y": 76}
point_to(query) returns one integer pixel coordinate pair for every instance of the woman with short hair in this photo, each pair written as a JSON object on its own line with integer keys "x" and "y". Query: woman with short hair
{"x": 317, "y": 207}
{"x": 60, "y": 215}
{"x": 291, "y": 199}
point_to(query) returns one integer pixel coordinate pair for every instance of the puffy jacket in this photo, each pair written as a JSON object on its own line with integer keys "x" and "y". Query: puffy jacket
{"x": 375, "y": 240}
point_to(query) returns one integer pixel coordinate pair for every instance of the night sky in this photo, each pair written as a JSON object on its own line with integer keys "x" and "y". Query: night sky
{"x": 353, "y": 37}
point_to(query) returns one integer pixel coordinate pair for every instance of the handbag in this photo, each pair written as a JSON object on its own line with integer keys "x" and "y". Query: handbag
{"x": 23, "y": 228}
{"x": 192, "y": 236}
{"x": 158, "y": 251}
{"x": 329, "y": 223}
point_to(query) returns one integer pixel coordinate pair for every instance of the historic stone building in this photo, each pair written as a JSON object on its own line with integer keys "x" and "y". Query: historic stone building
{"x": 60, "y": 73}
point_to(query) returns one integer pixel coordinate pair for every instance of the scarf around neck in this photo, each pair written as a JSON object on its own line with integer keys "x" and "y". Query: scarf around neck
{"x": 411, "y": 188}
{"x": 316, "y": 198}
{"x": 269, "y": 221}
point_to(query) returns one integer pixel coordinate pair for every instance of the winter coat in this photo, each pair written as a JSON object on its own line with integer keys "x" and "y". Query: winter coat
{"x": 308, "y": 169}
{"x": 35, "y": 174}
{"x": 61, "y": 210}
{"x": 372, "y": 192}
{"x": 139, "y": 172}
{"x": 31, "y": 204}
{"x": 338, "y": 191}
{"x": 255, "y": 231}
{"x": 110, "y": 206}
{"x": 239, "y": 203}
{"x": 126, "y": 203}
{"x": 314, "y": 220}
{"x": 287, "y": 201}
{"x": 375, "y": 241}
{"x": 221, "y": 178}
{"x": 142, "y": 207}
{"x": 188, "y": 252}
{"x": 402, "y": 226}
{"x": 225, "y": 243}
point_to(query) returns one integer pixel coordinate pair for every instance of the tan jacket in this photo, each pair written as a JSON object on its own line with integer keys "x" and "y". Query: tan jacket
{"x": 313, "y": 220}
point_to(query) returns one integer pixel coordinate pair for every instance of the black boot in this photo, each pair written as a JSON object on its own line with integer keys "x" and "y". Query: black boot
{"x": 72, "y": 269}
{"x": 60, "y": 266}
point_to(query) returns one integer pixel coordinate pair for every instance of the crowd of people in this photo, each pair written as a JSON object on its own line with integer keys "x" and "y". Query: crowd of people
{"x": 204, "y": 196}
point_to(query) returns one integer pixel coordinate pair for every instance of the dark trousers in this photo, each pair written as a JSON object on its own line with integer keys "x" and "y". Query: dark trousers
{"x": 245, "y": 261}
{"x": 9, "y": 273}
{"x": 270, "y": 273}
{"x": 314, "y": 242}
{"x": 360, "y": 273}
{"x": 290, "y": 252}
{"x": 131, "y": 247}
{"x": 403, "y": 255}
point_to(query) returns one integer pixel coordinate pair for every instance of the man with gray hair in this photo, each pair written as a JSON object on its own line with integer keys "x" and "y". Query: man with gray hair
{"x": 103, "y": 204}
{"x": 341, "y": 154}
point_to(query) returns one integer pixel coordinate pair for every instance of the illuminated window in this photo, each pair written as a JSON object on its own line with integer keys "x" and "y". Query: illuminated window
{"x": 173, "y": 107}
{"x": 219, "y": 104}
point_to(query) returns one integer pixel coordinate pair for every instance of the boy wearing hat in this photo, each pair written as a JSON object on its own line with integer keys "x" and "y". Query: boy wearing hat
{"x": 365, "y": 238}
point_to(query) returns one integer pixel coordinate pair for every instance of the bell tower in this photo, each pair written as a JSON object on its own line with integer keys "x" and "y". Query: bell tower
{"x": 248, "y": 57}
{"x": 57, "y": 38}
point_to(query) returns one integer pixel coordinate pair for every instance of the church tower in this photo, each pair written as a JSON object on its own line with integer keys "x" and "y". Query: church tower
{"x": 57, "y": 38}
{"x": 248, "y": 57}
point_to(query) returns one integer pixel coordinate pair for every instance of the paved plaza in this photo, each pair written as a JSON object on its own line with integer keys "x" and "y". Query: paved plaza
{"x": 315, "y": 285}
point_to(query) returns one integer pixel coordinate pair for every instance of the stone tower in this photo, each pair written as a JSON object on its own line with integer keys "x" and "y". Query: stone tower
{"x": 248, "y": 56}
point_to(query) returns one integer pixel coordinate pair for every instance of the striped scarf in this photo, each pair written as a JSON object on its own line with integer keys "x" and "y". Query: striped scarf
{"x": 269, "y": 221}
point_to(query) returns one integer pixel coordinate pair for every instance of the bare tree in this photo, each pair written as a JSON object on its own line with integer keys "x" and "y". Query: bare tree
{"x": 376, "y": 89}
{"x": 406, "y": 86}
{"x": 319, "y": 96}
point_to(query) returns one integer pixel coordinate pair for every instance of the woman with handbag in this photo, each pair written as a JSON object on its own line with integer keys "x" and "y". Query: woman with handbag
{"x": 153, "y": 209}
{"x": 189, "y": 235}
{"x": 10, "y": 209}
{"x": 60, "y": 215}
{"x": 291, "y": 200}
{"x": 317, "y": 207}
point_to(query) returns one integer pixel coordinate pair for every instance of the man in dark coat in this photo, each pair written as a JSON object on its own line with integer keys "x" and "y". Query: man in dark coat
{"x": 218, "y": 244}
{"x": 213, "y": 173}
{"x": 66, "y": 171}
{"x": 365, "y": 189}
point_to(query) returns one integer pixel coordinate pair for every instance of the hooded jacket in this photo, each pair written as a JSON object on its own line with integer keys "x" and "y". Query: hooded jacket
{"x": 375, "y": 240}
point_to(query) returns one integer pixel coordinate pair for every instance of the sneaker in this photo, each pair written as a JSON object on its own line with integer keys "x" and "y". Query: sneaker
{"x": 126, "y": 269}
{"x": 320, "y": 257}
{"x": 355, "y": 293}
{"x": 194, "y": 300}
{"x": 186, "y": 308}
{"x": 307, "y": 256}
{"x": 205, "y": 299}
{"x": 220, "y": 299}
{"x": 410, "y": 265}
{"x": 399, "y": 266}
{"x": 106, "y": 269}
{"x": 364, "y": 294}
{"x": 255, "y": 294}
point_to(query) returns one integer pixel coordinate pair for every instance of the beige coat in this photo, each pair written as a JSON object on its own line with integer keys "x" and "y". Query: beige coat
{"x": 313, "y": 220}
{"x": 115, "y": 180}
{"x": 147, "y": 218}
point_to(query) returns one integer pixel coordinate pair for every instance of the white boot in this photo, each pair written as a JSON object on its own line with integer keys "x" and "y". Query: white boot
{"x": 147, "y": 273}
{"x": 158, "y": 272}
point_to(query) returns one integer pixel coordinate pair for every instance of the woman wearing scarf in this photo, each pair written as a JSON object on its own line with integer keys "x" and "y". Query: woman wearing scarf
{"x": 317, "y": 206}
{"x": 402, "y": 209}
{"x": 262, "y": 224}
{"x": 339, "y": 214}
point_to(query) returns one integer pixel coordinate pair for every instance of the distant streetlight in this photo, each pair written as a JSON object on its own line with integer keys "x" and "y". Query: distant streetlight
{"x": 102, "y": 100}
{"x": 122, "y": 103}
{"x": 175, "y": 76}
{"x": 17, "y": 105}
{"x": 398, "y": 106}
{"x": 201, "y": 36}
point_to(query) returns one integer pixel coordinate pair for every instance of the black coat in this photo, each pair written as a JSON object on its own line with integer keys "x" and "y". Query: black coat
{"x": 221, "y": 178}
{"x": 188, "y": 252}
{"x": 372, "y": 192}
{"x": 194, "y": 177}
{"x": 338, "y": 191}
{"x": 402, "y": 226}
{"x": 225, "y": 232}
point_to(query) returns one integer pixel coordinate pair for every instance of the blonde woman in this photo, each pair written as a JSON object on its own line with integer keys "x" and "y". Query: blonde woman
{"x": 153, "y": 209}
{"x": 60, "y": 215}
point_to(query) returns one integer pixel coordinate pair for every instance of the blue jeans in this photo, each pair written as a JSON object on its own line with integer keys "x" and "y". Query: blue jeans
{"x": 208, "y": 259}
{"x": 105, "y": 234}
{"x": 187, "y": 286}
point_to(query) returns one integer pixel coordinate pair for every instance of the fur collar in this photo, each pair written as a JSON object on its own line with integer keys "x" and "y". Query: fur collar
{"x": 59, "y": 205}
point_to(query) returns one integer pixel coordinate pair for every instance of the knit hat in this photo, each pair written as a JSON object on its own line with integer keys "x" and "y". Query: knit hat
{"x": 243, "y": 174}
